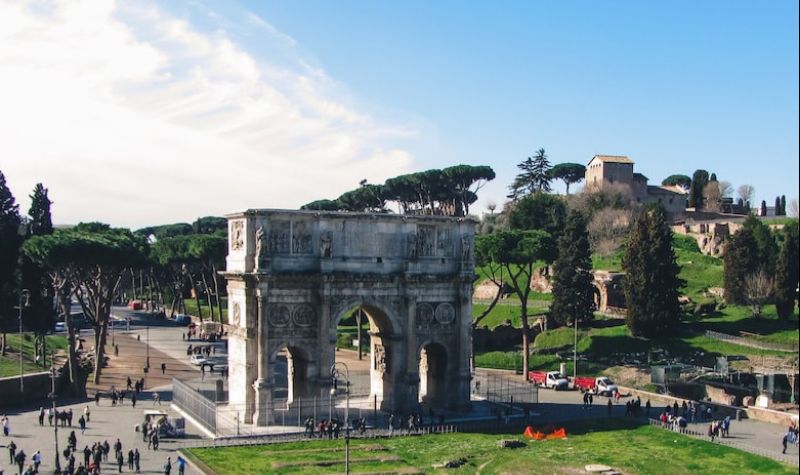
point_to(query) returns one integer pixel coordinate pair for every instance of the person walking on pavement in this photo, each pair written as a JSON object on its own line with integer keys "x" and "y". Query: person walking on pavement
{"x": 130, "y": 460}
{"x": 168, "y": 466}
{"x": 163, "y": 368}
{"x": 133, "y": 399}
{"x": 87, "y": 413}
{"x": 37, "y": 460}
{"x": 12, "y": 451}
{"x": 41, "y": 416}
{"x": 785, "y": 442}
{"x": 120, "y": 462}
{"x": 6, "y": 425}
{"x": 609, "y": 407}
{"x": 136, "y": 457}
{"x": 82, "y": 424}
{"x": 20, "y": 460}
{"x": 181, "y": 465}
{"x": 156, "y": 398}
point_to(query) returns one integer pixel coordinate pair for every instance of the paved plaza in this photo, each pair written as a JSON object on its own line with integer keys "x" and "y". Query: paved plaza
{"x": 167, "y": 346}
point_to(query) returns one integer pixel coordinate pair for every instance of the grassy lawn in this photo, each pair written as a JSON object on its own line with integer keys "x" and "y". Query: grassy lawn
{"x": 191, "y": 308}
{"x": 769, "y": 328}
{"x": 508, "y": 310}
{"x": 9, "y": 364}
{"x": 618, "y": 443}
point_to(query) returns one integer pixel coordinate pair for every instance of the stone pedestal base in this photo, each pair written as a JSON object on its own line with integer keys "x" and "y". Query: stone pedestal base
{"x": 263, "y": 407}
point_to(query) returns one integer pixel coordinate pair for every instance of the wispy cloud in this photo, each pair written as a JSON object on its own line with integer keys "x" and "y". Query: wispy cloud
{"x": 134, "y": 116}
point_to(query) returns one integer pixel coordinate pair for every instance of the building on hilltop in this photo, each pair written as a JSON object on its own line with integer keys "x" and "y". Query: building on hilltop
{"x": 605, "y": 170}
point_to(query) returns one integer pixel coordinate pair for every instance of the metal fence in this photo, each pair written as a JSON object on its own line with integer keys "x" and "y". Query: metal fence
{"x": 504, "y": 389}
{"x": 751, "y": 342}
{"x": 773, "y": 454}
{"x": 195, "y": 403}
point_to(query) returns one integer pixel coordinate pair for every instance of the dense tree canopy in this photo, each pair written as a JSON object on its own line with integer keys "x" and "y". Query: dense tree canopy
{"x": 699, "y": 182}
{"x": 569, "y": 173}
{"x": 573, "y": 291}
{"x": 541, "y": 211}
{"x": 10, "y": 240}
{"x": 91, "y": 257}
{"x": 447, "y": 192}
{"x": 787, "y": 272}
{"x": 651, "y": 276}
{"x": 534, "y": 177}
{"x": 740, "y": 261}
{"x": 678, "y": 180}
{"x": 517, "y": 252}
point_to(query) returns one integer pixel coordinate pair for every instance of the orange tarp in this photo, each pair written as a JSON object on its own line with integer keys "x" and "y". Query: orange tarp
{"x": 547, "y": 432}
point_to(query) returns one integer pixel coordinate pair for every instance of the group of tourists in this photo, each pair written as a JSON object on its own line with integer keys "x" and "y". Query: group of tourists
{"x": 633, "y": 407}
{"x": 412, "y": 423}
{"x": 206, "y": 350}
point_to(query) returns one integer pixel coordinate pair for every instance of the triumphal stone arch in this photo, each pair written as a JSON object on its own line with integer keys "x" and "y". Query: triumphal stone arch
{"x": 293, "y": 275}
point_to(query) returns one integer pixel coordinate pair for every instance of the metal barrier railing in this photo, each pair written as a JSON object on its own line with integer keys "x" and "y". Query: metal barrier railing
{"x": 195, "y": 403}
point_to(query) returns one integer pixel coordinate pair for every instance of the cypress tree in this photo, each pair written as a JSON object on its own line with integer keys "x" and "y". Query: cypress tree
{"x": 766, "y": 247}
{"x": 740, "y": 260}
{"x": 699, "y": 181}
{"x": 39, "y": 316}
{"x": 573, "y": 291}
{"x": 778, "y": 206}
{"x": 783, "y": 205}
{"x": 713, "y": 177}
{"x": 651, "y": 276}
{"x": 763, "y": 210}
{"x": 787, "y": 272}
{"x": 9, "y": 250}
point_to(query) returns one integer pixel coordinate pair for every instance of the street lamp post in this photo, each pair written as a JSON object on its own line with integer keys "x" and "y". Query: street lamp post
{"x": 147, "y": 349}
{"x": 24, "y": 301}
{"x": 53, "y": 397}
{"x": 337, "y": 373}
{"x": 575, "y": 351}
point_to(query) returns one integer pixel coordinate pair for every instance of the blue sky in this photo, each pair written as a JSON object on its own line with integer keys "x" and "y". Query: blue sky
{"x": 373, "y": 89}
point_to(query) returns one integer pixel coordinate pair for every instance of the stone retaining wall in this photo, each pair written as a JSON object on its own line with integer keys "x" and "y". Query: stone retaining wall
{"x": 37, "y": 387}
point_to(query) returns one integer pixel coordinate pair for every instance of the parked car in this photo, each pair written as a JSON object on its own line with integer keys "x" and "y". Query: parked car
{"x": 60, "y": 327}
{"x": 599, "y": 385}
{"x": 182, "y": 319}
{"x": 198, "y": 360}
{"x": 549, "y": 379}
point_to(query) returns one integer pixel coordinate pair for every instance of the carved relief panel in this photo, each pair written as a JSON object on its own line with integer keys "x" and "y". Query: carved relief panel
{"x": 237, "y": 235}
{"x": 291, "y": 320}
{"x": 435, "y": 317}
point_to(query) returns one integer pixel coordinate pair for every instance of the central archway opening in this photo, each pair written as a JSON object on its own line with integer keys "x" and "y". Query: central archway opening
{"x": 369, "y": 328}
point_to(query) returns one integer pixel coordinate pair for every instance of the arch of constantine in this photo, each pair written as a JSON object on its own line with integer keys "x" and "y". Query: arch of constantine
{"x": 293, "y": 275}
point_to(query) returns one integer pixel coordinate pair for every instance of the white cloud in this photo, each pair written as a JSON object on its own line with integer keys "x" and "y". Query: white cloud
{"x": 133, "y": 116}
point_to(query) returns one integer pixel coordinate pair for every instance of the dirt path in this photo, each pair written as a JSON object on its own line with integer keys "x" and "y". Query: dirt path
{"x": 130, "y": 362}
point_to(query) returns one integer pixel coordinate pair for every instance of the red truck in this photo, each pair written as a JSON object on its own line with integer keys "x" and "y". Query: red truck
{"x": 549, "y": 379}
{"x": 599, "y": 385}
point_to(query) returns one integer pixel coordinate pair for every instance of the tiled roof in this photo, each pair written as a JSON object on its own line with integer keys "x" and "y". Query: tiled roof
{"x": 613, "y": 158}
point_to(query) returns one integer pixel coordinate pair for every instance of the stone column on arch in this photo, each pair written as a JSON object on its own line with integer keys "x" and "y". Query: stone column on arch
{"x": 461, "y": 378}
{"x": 264, "y": 383}
{"x": 412, "y": 376}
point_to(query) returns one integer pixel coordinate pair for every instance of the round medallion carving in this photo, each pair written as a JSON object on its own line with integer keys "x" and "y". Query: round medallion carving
{"x": 424, "y": 314}
{"x": 279, "y": 315}
{"x": 445, "y": 313}
{"x": 237, "y": 313}
{"x": 304, "y": 316}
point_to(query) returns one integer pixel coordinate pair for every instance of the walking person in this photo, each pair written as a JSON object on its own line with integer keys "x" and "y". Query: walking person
{"x": 156, "y": 398}
{"x": 12, "y": 451}
{"x": 168, "y": 466}
{"x": 136, "y": 456}
{"x": 163, "y": 368}
{"x": 87, "y": 413}
{"x": 37, "y": 460}
{"x": 120, "y": 462}
{"x": 41, "y": 416}
{"x": 181, "y": 465}
{"x": 6, "y": 425}
{"x": 82, "y": 424}
{"x": 609, "y": 405}
{"x": 133, "y": 399}
{"x": 130, "y": 460}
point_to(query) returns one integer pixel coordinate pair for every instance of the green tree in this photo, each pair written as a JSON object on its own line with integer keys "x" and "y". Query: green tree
{"x": 763, "y": 210}
{"x": 539, "y": 211}
{"x": 10, "y": 240}
{"x": 517, "y": 252}
{"x": 651, "y": 281}
{"x": 783, "y": 205}
{"x": 210, "y": 251}
{"x": 573, "y": 292}
{"x": 321, "y": 205}
{"x": 699, "y": 182}
{"x": 39, "y": 315}
{"x": 210, "y": 225}
{"x": 740, "y": 260}
{"x": 463, "y": 183}
{"x": 92, "y": 258}
{"x": 569, "y": 173}
{"x": 678, "y": 180}
{"x": 787, "y": 272}
{"x": 535, "y": 176}
{"x": 766, "y": 246}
